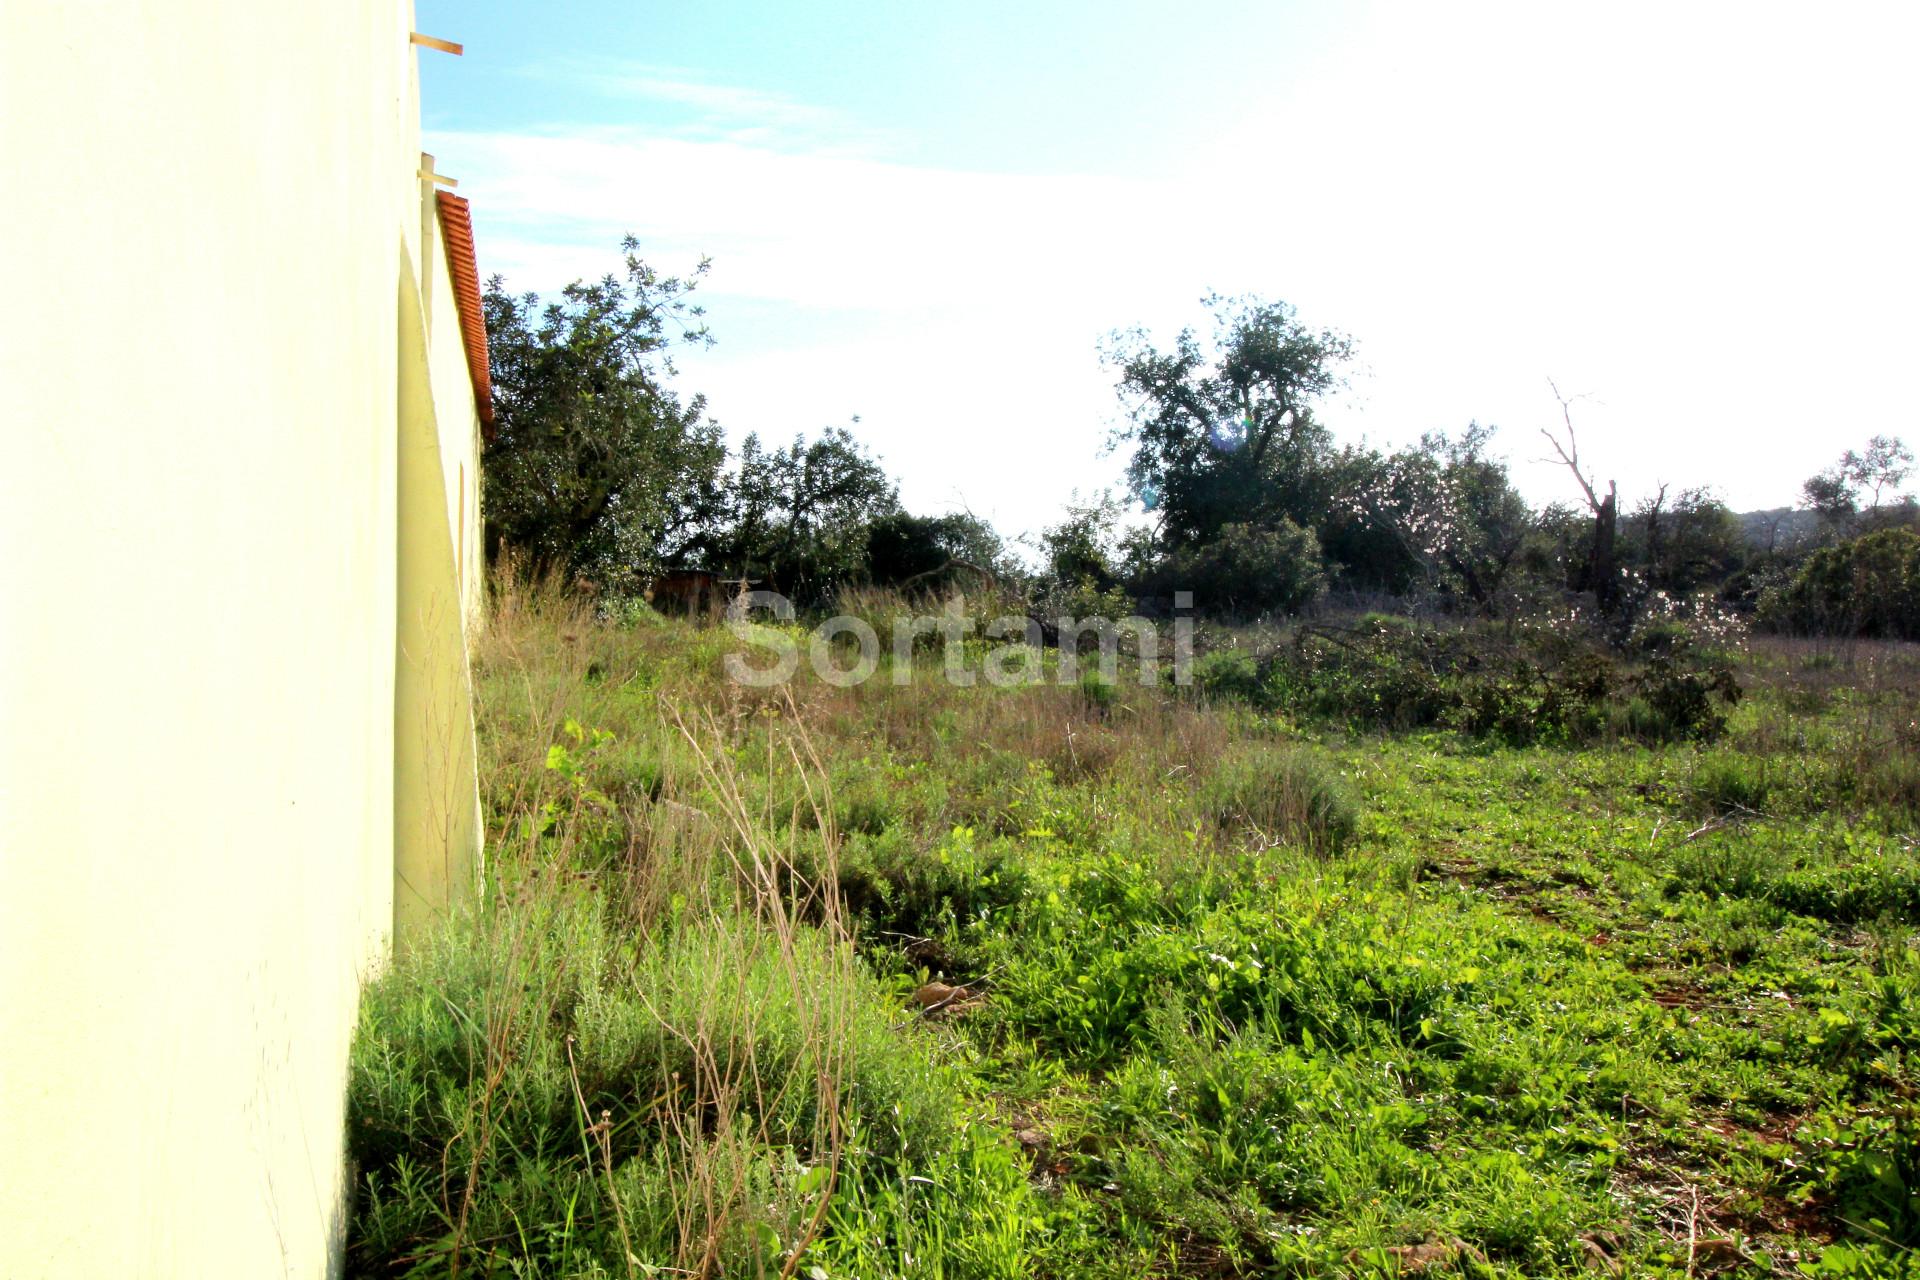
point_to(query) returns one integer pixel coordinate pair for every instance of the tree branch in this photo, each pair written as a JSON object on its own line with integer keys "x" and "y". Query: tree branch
{"x": 1570, "y": 454}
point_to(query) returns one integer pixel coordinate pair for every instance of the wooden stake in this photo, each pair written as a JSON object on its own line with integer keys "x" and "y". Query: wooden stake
{"x": 435, "y": 42}
{"x": 426, "y": 171}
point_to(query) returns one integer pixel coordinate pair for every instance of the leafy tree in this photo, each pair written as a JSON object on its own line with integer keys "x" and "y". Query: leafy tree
{"x": 1085, "y": 546}
{"x": 799, "y": 518}
{"x": 1684, "y": 545}
{"x": 1360, "y": 551}
{"x": 1829, "y": 496}
{"x": 1881, "y": 468}
{"x": 1854, "y": 489}
{"x": 1227, "y": 436}
{"x": 596, "y": 465}
{"x": 904, "y": 548}
{"x": 1451, "y": 510}
{"x": 1083, "y": 564}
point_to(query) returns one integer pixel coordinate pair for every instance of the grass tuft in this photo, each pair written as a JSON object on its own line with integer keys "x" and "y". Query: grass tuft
{"x": 1283, "y": 795}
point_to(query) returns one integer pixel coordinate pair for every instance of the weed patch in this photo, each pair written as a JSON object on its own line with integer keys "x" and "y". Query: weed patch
{"x": 1529, "y": 979}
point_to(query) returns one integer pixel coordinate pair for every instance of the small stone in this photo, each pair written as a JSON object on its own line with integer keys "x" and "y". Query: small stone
{"x": 938, "y": 995}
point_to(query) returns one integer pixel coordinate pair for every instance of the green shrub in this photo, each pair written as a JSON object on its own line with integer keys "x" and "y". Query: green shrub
{"x": 866, "y": 810}
{"x": 1867, "y": 587}
{"x": 895, "y": 884}
{"x": 626, "y": 611}
{"x": 1851, "y": 884}
{"x": 1249, "y": 571}
{"x": 1686, "y": 692}
{"x": 1379, "y": 676}
{"x": 1537, "y": 687}
{"x": 1284, "y": 794}
{"x": 1660, "y": 637}
{"x": 1230, "y": 674}
{"x": 1730, "y": 868}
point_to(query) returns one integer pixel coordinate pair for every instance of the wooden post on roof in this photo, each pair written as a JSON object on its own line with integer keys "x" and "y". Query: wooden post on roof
{"x": 428, "y": 175}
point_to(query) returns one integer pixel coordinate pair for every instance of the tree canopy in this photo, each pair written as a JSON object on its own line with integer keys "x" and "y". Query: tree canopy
{"x": 601, "y": 468}
{"x": 1227, "y": 435}
{"x": 597, "y": 466}
{"x": 797, "y": 518}
{"x": 1860, "y": 483}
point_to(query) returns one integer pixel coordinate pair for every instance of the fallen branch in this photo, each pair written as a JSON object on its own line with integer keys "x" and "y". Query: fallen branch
{"x": 953, "y": 562}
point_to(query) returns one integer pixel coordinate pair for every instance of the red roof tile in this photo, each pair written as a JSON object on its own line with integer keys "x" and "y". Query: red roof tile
{"x": 456, "y": 228}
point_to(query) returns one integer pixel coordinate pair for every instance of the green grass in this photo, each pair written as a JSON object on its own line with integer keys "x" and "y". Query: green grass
{"x": 1243, "y": 997}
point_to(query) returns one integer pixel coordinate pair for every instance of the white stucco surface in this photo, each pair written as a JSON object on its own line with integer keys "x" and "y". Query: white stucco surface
{"x": 211, "y": 208}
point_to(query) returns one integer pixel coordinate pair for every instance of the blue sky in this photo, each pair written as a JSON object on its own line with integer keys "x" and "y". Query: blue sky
{"x": 1698, "y": 217}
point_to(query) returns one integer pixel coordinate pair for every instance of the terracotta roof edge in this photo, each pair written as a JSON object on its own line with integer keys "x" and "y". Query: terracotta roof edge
{"x": 463, "y": 269}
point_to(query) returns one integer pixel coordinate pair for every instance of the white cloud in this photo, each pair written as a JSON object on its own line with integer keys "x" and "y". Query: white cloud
{"x": 823, "y": 231}
{"x": 958, "y": 314}
{"x": 708, "y": 109}
{"x": 1704, "y": 223}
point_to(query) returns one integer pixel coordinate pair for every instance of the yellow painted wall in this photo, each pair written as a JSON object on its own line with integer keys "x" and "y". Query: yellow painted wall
{"x": 436, "y": 795}
{"x": 202, "y": 617}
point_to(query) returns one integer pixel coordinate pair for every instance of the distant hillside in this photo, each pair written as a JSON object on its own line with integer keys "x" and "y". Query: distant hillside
{"x": 1779, "y": 527}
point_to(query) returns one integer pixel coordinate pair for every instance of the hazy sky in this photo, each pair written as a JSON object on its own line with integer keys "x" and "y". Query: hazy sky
{"x": 1700, "y": 218}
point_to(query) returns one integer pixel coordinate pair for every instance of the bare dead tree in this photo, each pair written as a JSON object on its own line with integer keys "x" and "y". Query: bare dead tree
{"x": 1601, "y": 576}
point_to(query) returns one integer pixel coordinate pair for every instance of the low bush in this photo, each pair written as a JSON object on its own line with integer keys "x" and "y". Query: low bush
{"x": 1229, "y": 674}
{"x": 1853, "y": 882}
{"x": 1537, "y": 686}
{"x": 1869, "y": 586}
{"x": 1248, "y": 571}
{"x": 899, "y": 887}
{"x": 1685, "y": 693}
{"x": 1869, "y": 1163}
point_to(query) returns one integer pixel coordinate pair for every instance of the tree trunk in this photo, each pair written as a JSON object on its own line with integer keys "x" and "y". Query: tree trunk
{"x": 1602, "y": 572}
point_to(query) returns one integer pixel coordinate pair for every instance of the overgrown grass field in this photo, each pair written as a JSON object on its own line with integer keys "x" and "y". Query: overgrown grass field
{"x": 1101, "y": 980}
